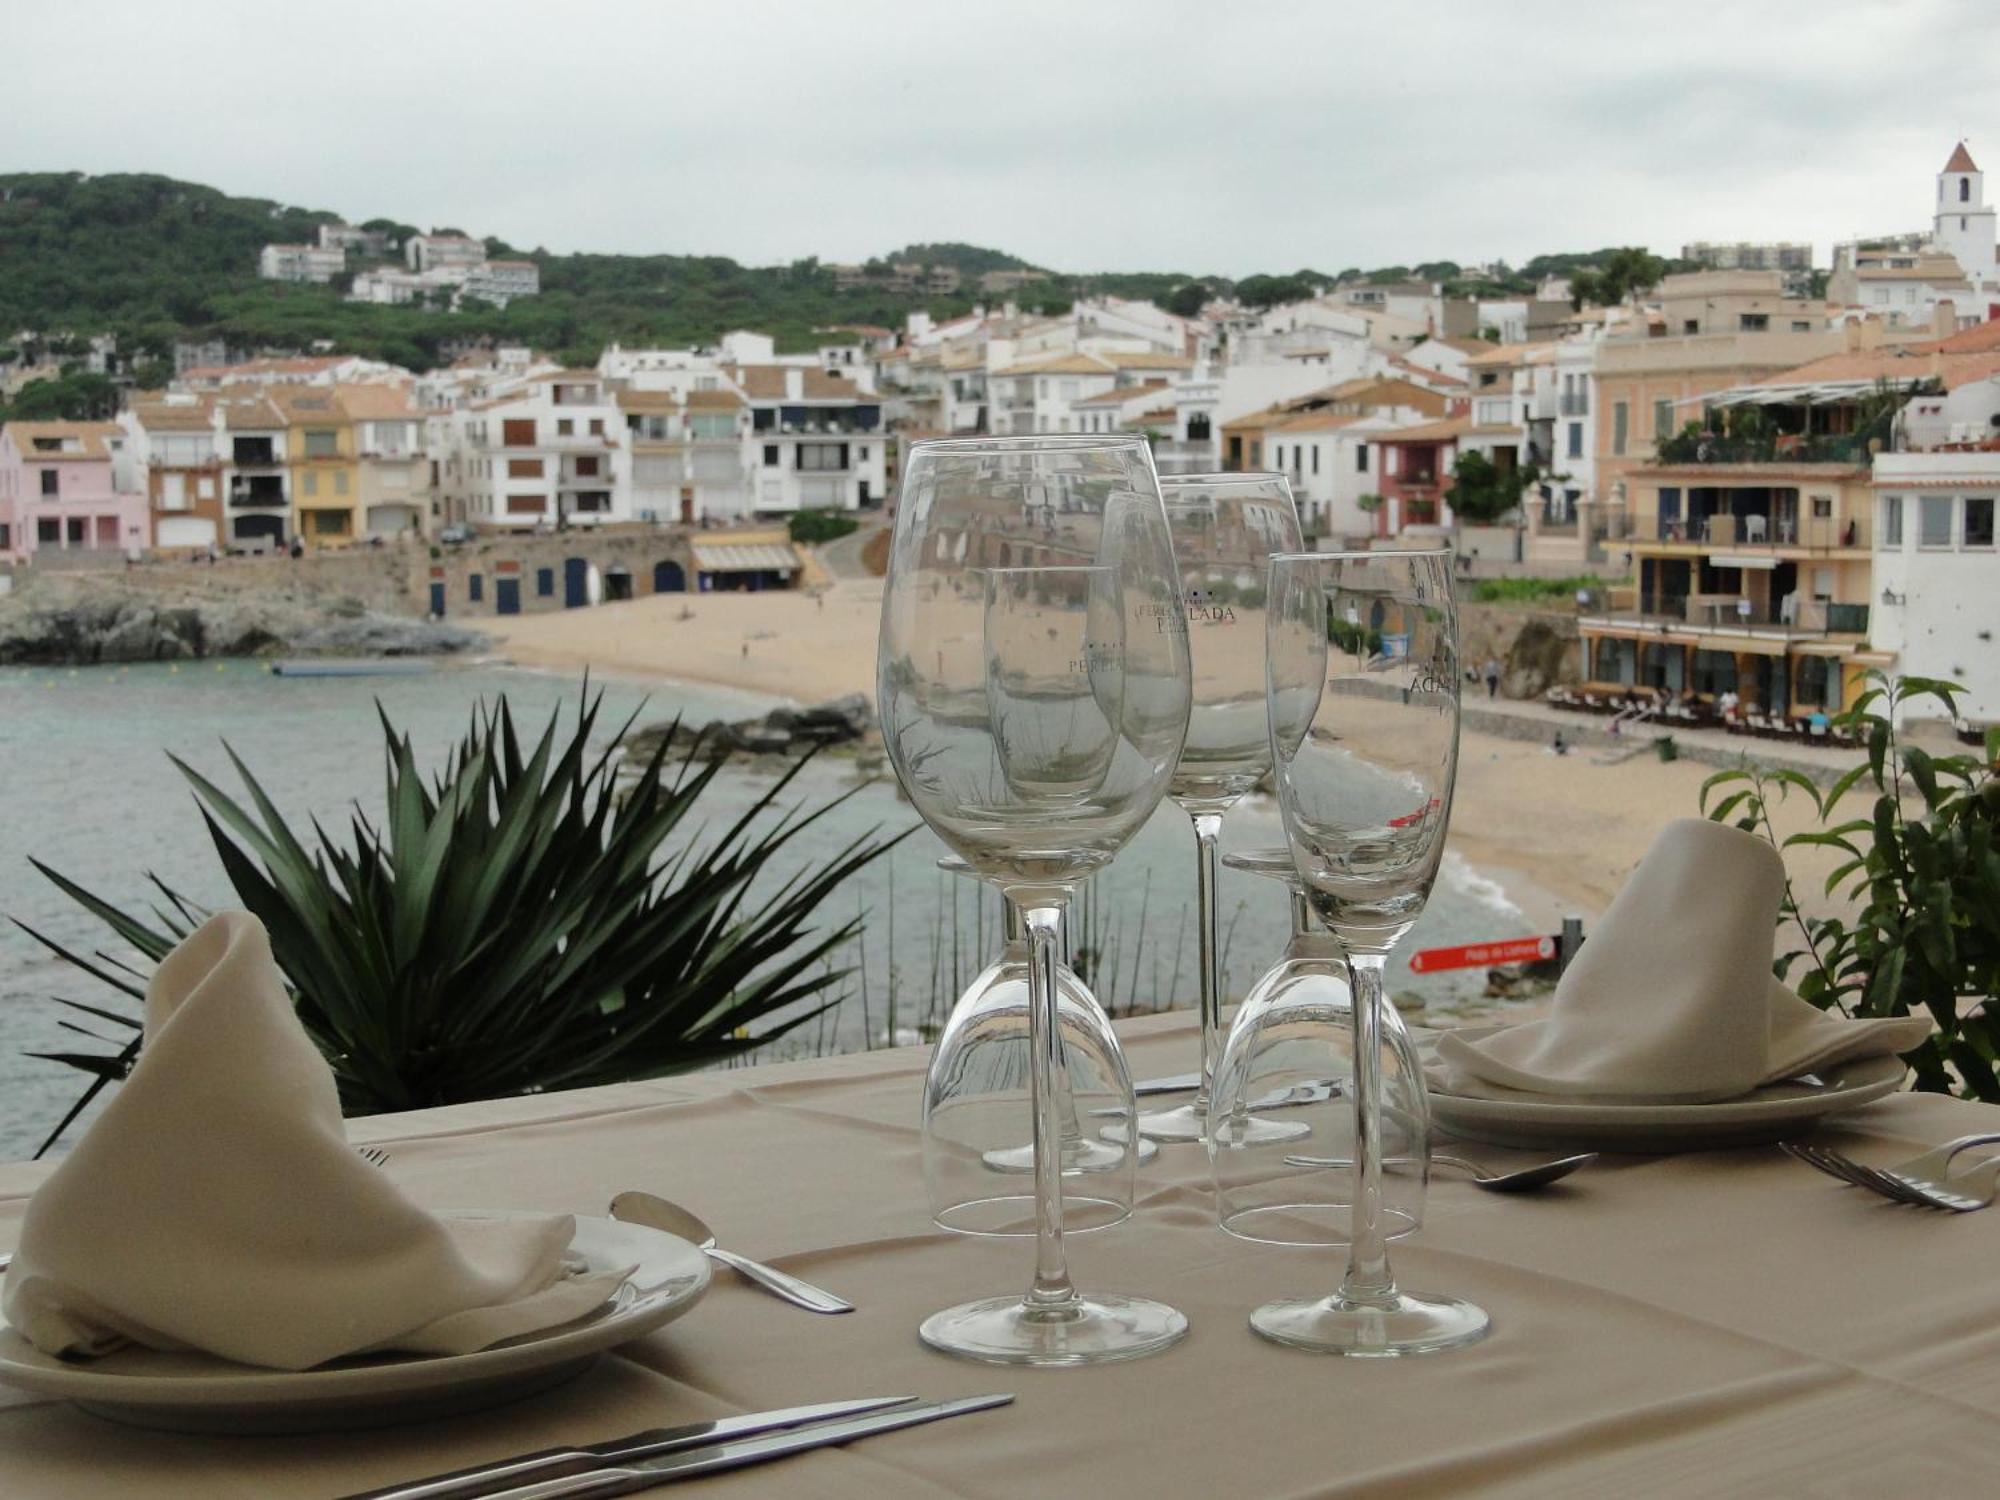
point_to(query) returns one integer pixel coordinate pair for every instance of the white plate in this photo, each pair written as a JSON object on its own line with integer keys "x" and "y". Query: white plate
{"x": 201, "y": 1393}
{"x": 1773, "y": 1113}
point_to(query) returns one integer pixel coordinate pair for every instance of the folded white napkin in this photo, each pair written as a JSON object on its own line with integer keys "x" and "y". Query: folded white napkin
{"x": 1672, "y": 999}
{"x": 216, "y": 1204}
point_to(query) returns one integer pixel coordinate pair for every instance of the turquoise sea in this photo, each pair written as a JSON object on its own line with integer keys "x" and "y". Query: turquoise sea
{"x": 86, "y": 786}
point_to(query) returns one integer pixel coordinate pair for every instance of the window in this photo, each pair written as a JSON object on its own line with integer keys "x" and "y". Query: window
{"x": 526, "y": 505}
{"x": 524, "y": 468}
{"x": 1315, "y": 458}
{"x": 329, "y": 523}
{"x": 322, "y": 443}
{"x": 770, "y": 455}
{"x": 518, "y": 432}
{"x": 311, "y": 482}
{"x": 1802, "y": 325}
{"x": 1753, "y": 322}
{"x": 1822, "y": 507}
{"x": 1691, "y": 325}
{"x": 1934, "y": 521}
{"x": 565, "y": 427}
{"x": 1576, "y": 440}
{"x": 1278, "y": 455}
{"x": 1663, "y": 420}
{"x": 48, "y": 530}
{"x": 6, "y": 536}
{"x": 475, "y": 587}
{"x": 1361, "y": 458}
{"x": 340, "y": 482}
{"x": 1978, "y": 521}
{"x": 586, "y": 468}
{"x": 822, "y": 457}
{"x": 1964, "y": 194}
{"x": 1618, "y": 422}
{"x": 545, "y": 582}
{"x": 1890, "y": 534}
{"x": 1198, "y": 429}
{"x": 861, "y": 454}
{"x": 50, "y": 481}
{"x": 597, "y": 427}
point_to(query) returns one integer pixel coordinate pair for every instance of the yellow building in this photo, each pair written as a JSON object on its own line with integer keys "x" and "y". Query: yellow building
{"x": 320, "y": 452}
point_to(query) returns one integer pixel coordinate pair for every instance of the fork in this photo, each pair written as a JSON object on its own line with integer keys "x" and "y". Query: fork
{"x": 1923, "y": 1180}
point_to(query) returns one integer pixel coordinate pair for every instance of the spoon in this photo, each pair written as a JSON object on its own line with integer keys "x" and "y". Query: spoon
{"x": 1520, "y": 1180}
{"x": 658, "y": 1213}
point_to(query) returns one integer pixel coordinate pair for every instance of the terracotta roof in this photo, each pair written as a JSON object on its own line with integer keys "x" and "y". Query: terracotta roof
{"x": 304, "y": 405}
{"x": 1264, "y": 418}
{"x": 648, "y": 401}
{"x": 1961, "y": 160}
{"x": 1975, "y": 340}
{"x": 964, "y": 359}
{"x": 1129, "y": 359}
{"x": 1166, "y": 412}
{"x": 577, "y": 375}
{"x": 1941, "y": 271}
{"x": 1429, "y": 432}
{"x": 1512, "y": 354}
{"x": 376, "y": 403}
{"x": 1424, "y": 372}
{"x": 1461, "y": 344}
{"x": 89, "y": 437}
{"x": 1901, "y": 363}
{"x": 1316, "y": 421}
{"x": 713, "y": 401}
{"x": 769, "y": 383}
{"x": 249, "y": 411}
{"x": 157, "y": 414}
{"x": 1061, "y": 364}
{"x": 1119, "y": 395}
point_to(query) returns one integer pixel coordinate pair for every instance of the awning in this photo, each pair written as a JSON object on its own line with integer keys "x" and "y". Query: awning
{"x": 1823, "y": 648}
{"x": 744, "y": 557}
{"x": 1732, "y": 560}
{"x": 1873, "y": 658}
{"x": 1748, "y": 645}
{"x": 1807, "y": 393}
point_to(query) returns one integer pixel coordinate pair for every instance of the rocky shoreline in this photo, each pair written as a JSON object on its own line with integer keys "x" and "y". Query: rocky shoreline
{"x": 85, "y": 627}
{"x": 782, "y": 731}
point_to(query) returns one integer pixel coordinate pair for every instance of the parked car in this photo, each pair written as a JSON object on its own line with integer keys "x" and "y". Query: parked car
{"x": 455, "y": 533}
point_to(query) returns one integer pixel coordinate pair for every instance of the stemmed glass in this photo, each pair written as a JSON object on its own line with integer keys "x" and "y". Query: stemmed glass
{"x": 1226, "y": 529}
{"x": 1364, "y": 676}
{"x": 1033, "y": 679}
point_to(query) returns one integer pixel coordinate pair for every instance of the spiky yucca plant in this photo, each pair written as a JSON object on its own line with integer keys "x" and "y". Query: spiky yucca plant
{"x": 514, "y": 926}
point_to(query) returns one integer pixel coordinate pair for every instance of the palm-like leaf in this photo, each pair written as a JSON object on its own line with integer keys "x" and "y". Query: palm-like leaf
{"x": 516, "y": 924}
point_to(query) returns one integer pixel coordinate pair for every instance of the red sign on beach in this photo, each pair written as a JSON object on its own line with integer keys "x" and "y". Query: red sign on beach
{"x": 1482, "y": 955}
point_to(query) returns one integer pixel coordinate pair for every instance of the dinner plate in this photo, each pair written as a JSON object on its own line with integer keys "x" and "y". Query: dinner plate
{"x": 193, "y": 1392}
{"x": 1775, "y": 1112}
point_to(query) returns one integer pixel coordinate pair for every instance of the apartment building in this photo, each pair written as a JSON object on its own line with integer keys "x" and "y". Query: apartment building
{"x": 813, "y": 440}
{"x": 59, "y": 492}
{"x": 1936, "y": 578}
{"x": 178, "y": 459}
{"x": 546, "y": 455}
{"x": 654, "y": 456}
{"x": 300, "y": 263}
{"x": 1746, "y": 255}
{"x": 1041, "y": 395}
{"x": 256, "y": 476}
{"x": 320, "y": 454}
{"x": 392, "y": 460}
{"x": 427, "y": 252}
{"x": 501, "y": 281}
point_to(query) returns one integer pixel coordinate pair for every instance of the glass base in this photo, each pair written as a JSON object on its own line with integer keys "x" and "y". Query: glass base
{"x": 1405, "y": 1323}
{"x": 1088, "y": 1331}
{"x": 1077, "y": 1156}
{"x": 1187, "y": 1123}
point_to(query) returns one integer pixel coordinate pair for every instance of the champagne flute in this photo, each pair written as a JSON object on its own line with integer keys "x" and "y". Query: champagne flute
{"x": 1033, "y": 679}
{"x": 1364, "y": 678}
{"x": 1226, "y": 529}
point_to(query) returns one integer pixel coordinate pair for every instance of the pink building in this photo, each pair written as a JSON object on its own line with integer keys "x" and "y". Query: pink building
{"x": 57, "y": 491}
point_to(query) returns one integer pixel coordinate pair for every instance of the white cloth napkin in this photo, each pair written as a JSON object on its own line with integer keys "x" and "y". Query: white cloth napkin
{"x": 1672, "y": 1000}
{"x": 216, "y": 1204}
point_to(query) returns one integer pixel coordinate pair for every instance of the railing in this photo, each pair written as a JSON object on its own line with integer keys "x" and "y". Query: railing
{"x": 1773, "y": 448}
{"x": 1573, "y": 406}
{"x": 270, "y": 495}
{"x": 1755, "y": 531}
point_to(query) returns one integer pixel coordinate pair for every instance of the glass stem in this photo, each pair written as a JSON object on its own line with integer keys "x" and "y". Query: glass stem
{"x": 1207, "y": 830}
{"x": 1368, "y": 1281}
{"x": 1048, "y": 1074}
{"x": 1016, "y": 929}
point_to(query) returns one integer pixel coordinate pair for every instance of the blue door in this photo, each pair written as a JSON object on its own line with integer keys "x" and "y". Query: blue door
{"x": 507, "y": 595}
{"x": 476, "y": 588}
{"x": 576, "y": 583}
{"x": 545, "y": 583}
{"x": 437, "y": 600}
{"x": 668, "y": 578}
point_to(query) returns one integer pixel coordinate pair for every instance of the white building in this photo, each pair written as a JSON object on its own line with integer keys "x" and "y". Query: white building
{"x": 300, "y": 263}
{"x": 347, "y": 237}
{"x": 500, "y": 281}
{"x": 545, "y": 456}
{"x": 426, "y": 252}
{"x": 1041, "y": 394}
{"x": 1963, "y": 227}
{"x": 814, "y": 440}
{"x": 1573, "y": 435}
{"x": 1936, "y": 574}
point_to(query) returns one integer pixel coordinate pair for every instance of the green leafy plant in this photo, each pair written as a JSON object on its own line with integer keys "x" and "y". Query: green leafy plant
{"x": 521, "y": 922}
{"x": 820, "y": 525}
{"x": 1921, "y": 873}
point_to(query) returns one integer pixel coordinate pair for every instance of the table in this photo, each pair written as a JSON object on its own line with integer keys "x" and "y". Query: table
{"x": 1716, "y": 1324}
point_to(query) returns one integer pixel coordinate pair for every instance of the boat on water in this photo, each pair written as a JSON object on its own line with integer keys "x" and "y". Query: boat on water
{"x": 333, "y": 666}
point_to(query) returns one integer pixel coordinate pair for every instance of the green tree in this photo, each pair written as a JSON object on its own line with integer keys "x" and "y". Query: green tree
{"x": 1623, "y": 275}
{"x": 1188, "y": 299}
{"x": 1271, "y": 291}
{"x": 1482, "y": 493}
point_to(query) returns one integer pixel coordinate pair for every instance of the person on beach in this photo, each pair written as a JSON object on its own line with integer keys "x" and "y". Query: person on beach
{"x": 1492, "y": 676}
{"x": 1557, "y": 747}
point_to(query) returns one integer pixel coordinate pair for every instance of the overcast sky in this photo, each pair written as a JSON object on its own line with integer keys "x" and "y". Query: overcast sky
{"x": 1228, "y": 136}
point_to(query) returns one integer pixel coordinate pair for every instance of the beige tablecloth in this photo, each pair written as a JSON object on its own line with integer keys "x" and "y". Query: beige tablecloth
{"x": 1719, "y": 1325}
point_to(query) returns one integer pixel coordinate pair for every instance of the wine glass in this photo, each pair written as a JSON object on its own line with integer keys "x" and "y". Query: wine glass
{"x": 1226, "y": 529}
{"x": 1033, "y": 680}
{"x": 975, "y": 1093}
{"x": 1292, "y": 1045}
{"x": 1364, "y": 677}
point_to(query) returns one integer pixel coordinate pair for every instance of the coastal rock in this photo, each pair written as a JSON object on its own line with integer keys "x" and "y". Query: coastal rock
{"x": 1540, "y": 657}
{"x": 782, "y": 731}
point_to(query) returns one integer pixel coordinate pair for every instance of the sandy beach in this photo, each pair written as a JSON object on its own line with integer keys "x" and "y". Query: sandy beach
{"x": 1560, "y": 833}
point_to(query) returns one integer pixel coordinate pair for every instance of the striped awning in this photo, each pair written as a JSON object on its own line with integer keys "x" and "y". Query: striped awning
{"x": 745, "y": 557}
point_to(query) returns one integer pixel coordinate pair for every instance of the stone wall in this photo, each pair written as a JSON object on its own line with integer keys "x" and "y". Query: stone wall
{"x": 1537, "y": 648}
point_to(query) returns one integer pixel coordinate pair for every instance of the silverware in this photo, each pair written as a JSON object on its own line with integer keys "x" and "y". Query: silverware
{"x": 1925, "y": 1181}
{"x": 1520, "y": 1180}
{"x": 550, "y": 1463}
{"x": 626, "y": 1478}
{"x": 658, "y": 1213}
{"x": 1298, "y": 1093}
{"x": 1177, "y": 1083}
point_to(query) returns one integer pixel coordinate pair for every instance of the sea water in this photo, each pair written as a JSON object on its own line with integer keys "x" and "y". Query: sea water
{"x": 87, "y": 787}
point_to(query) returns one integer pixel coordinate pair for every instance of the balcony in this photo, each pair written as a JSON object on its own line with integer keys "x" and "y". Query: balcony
{"x": 1727, "y": 614}
{"x": 255, "y": 453}
{"x": 1703, "y": 447}
{"x": 1755, "y": 531}
{"x": 263, "y": 491}
{"x": 1573, "y": 406}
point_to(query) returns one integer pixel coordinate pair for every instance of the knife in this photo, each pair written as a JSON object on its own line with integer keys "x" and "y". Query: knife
{"x": 550, "y": 1463}
{"x": 627, "y": 1478}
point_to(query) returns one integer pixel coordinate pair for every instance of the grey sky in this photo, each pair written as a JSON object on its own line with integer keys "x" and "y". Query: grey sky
{"x": 1229, "y": 136}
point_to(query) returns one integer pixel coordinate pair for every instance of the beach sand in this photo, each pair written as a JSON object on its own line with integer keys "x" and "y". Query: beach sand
{"x": 1560, "y": 833}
